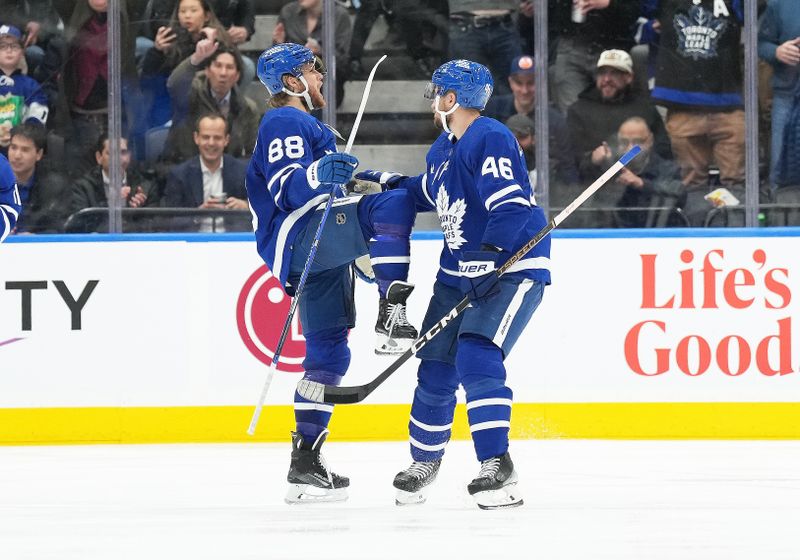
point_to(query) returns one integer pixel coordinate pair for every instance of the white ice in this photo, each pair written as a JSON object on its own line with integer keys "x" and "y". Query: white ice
{"x": 620, "y": 500}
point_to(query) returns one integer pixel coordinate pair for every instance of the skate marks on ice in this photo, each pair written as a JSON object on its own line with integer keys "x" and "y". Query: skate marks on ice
{"x": 583, "y": 499}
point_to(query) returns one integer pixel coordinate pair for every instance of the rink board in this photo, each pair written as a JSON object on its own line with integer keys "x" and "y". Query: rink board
{"x": 166, "y": 338}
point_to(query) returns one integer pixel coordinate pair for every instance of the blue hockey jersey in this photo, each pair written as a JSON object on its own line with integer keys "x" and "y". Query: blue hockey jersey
{"x": 289, "y": 141}
{"x": 10, "y": 204}
{"x": 21, "y": 99}
{"x": 479, "y": 187}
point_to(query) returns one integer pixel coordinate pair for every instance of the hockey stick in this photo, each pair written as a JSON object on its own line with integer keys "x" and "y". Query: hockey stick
{"x": 332, "y": 394}
{"x": 251, "y": 430}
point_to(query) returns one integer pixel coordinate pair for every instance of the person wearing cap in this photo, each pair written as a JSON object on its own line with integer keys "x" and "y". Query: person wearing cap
{"x": 522, "y": 101}
{"x": 21, "y": 97}
{"x": 600, "y": 110}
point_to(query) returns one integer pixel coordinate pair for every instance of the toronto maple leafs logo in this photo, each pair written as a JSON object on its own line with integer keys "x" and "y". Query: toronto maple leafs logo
{"x": 699, "y": 33}
{"x": 451, "y": 216}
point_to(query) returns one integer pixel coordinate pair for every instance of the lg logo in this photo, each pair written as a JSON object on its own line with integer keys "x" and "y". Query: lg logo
{"x": 261, "y": 312}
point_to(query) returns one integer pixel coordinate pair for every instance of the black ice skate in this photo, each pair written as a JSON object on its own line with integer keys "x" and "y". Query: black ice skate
{"x": 395, "y": 333}
{"x": 495, "y": 486}
{"x": 414, "y": 483}
{"x": 309, "y": 478}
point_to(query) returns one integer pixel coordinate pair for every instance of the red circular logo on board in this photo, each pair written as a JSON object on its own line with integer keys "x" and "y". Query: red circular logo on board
{"x": 261, "y": 312}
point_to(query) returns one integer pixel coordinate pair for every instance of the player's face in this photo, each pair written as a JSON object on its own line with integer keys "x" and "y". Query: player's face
{"x": 211, "y": 138}
{"x": 523, "y": 86}
{"x": 314, "y": 78}
{"x": 104, "y": 158}
{"x": 191, "y": 15}
{"x": 222, "y": 74}
{"x": 611, "y": 82}
{"x": 446, "y": 103}
{"x": 23, "y": 155}
{"x": 10, "y": 51}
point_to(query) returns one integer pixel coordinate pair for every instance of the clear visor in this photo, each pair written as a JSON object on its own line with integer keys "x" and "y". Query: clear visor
{"x": 432, "y": 90}
{"x": 317, "y": 65}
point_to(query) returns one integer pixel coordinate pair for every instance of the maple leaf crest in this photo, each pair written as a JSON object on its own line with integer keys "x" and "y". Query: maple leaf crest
{"x": 451, "y": 216}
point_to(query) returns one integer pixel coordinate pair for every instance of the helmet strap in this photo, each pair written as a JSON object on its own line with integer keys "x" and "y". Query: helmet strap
{"x": 304, "y": 94}
{"x": 443, "y": 114}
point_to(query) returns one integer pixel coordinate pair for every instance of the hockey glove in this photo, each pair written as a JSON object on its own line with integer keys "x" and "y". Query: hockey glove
{"x": 336, "y": 168}
{"x": 386, "y": 179}
{"x": 479, "y": 279}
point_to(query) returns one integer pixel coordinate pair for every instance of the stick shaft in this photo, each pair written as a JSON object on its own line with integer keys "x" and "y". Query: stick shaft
{"x": 354, "y": 394}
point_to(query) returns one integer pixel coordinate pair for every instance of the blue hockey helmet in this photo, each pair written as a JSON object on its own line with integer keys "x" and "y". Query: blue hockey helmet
{"x": 284, "y": 58}
{"x": 471, "y": 82}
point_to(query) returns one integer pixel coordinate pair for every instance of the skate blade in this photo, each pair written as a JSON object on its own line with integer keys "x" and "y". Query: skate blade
{"x": 403, "y": 498}
{"x": 307, "y": 494}
{"x": 506, "y": 497}
{"x": 387, "y": 346}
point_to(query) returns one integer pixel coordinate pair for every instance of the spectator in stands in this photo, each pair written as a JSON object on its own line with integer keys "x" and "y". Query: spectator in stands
{"x": 699, "y": 80}
{"x": 301, "y": 22}
{"x": 422, "y": 24}
{"x": 236, "y": 16}
{"x": 38, "y": 21}
{"x": 522, "y": 101}
{"x": 213, "y": 90}
{"x": 779, "y": 44}
{"x": 79, "y": 90}
{"x": 21, "y": 97}
{"x": 485, "y": 32}
{"x": 601, "y": 25}
{"x": 214, "y": 179}
{"x": 91, "y": 190}
{"x": 43, "y": 190}
{"x": 596, "y": 116}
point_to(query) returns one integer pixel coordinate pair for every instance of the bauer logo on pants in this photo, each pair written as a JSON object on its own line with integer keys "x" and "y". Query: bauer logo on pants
{"x": 261, "y": 312}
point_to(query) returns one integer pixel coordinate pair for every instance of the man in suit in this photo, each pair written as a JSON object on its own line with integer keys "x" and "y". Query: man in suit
{"x": 212, "y": 180}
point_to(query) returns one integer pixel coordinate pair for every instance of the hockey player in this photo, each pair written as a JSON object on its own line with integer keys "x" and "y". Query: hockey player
{"x": 293, "y": 171}
{"x": 10, "y": 204}
{"x": 477, "y": 182}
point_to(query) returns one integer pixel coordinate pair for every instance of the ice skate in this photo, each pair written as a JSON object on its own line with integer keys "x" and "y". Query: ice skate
{"x": 309, "y": 478}
{"x": 414, "y": 483}
{"x": 395, "y": 333}
{"x": 495, "y": 486}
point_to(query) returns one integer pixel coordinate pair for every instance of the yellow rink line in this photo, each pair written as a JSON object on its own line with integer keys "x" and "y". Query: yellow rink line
{"x": 20, "y": 426}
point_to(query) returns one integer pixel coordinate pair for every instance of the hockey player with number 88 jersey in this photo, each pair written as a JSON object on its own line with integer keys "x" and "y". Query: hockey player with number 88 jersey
{"x": 477, "y": 182}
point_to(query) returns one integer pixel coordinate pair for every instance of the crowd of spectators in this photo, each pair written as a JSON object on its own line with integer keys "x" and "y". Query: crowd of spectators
{"x": 185, "y": 80}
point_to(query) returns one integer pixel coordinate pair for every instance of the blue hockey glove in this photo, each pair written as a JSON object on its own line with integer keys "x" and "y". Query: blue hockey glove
{"x": 333, "y": 168}
{"x": 386, "y": 179}
{"x": 479, "y": 279}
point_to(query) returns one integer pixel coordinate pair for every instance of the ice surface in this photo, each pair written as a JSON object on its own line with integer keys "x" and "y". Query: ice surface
{"x": 583, "y": 499}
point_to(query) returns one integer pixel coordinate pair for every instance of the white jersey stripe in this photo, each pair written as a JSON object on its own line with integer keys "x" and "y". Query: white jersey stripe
{"x": 430, "y": 427}
{"x": 513, "y": 307}
{"x": 516, "y": 200}
{"x": 500, "y": 194}
{"x": 10, "y": 210}
{"x": 424, "y": 447}
{"x": 389, "y": 260}
{"x": 313, "y": 406}
{"x": 488, "y": 402}
{"x": 530, "y": 264}
{"x": 286, "y": 226}
{"x": 425, "y": 190}
{"x": 6, "y": 226}
{"x": 450, "y": 272}
{"x": 281, "y": 175}
{"x": 490, "y": 425}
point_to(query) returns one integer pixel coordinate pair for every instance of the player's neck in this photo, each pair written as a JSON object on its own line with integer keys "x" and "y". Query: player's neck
{"x": 297, "y": 103}
{"x": 461, "y": 120}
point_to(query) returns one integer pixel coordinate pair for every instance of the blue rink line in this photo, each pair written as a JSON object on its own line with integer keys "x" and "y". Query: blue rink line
{"x": 419, "y": 235}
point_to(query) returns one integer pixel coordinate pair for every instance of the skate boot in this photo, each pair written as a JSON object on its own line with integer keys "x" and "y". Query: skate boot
{"x": 495, "y": 486}
{"x": 309, "y": 478}
{"x": 395, "y": 333}
{"x": 414, "y": 483}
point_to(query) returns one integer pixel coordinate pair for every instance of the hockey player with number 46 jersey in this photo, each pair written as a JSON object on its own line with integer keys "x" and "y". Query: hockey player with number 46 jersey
{"x": 477, "y": 182}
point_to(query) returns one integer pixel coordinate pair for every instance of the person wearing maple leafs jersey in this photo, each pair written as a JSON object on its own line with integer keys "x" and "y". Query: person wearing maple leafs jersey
{"x": 477, "y": 182}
